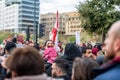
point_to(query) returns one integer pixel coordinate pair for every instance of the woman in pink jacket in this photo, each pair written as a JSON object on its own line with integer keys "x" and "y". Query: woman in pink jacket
{"x": 50, "y": 53}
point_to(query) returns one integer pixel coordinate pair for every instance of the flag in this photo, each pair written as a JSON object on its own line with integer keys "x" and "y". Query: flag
{"x": 55, "y": 29}
{"x": 54, "y": 34}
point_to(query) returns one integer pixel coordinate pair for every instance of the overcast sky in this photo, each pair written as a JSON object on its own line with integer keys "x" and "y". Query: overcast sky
{"x": 48, "y": 6}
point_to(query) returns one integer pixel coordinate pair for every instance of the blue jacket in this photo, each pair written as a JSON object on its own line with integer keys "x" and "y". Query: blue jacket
{"x": 110, "y": 72}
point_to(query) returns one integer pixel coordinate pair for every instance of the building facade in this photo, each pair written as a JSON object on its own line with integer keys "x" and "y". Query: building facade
{"x": 20, "y": 14}
{"x": 69, "y": 23}
{"x": 2, "y": 7}
{"x": 49, "y": 21}
{"x": 11, "y": 18}
{"x": 72, "y": 24}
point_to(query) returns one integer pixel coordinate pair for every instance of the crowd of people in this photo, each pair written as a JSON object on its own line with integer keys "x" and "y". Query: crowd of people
{"x": 20, "y": 61}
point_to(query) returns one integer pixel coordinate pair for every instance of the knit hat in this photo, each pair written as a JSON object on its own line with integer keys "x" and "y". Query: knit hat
{"x": 94, "y": 51}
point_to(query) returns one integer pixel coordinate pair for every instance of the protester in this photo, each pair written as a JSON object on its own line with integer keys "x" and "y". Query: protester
{"x": 82, "y": 69}
{"x": 101, "y": 54}
{"x": 49, "y": 56}
{"x": 8, "y": 50}
{"x": 88, "y": 53}
{"x": 36, "y": 46}
{"x": 94, "y": 53}
{"x": 70, "y": 53}
{"x": 111, "y": 69}
{"x": 61, "y": 49}
{"x": 60, "y": 69}
{"x": 9, "y": 47}
{"x": 50, "y": 53}
{"x": 26, "y": 64}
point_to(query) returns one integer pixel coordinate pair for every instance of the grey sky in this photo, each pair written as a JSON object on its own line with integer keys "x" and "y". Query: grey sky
{"x": 51, "y": 6}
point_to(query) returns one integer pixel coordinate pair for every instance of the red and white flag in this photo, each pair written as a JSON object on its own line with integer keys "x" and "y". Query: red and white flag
{"x": 54, "y": 34}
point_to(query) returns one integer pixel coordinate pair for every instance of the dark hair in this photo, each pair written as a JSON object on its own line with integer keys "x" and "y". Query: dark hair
{"x": 9, "y": 46}
{"x": 98, "y": 45}
{"x": 84, "y": 49}
{"x": 87, "y": 48}
{"x": 25, "y": 61}
{"x": 83, "y": 69}
{"x": 14, "y": 40}
{"x": 36, "y": 46}
{"x": 62, "y": 64}
{"x": 47, "y": 41}
{"x": 71, "y": 51}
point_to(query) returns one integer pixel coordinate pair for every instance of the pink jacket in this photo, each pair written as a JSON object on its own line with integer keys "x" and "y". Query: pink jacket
{"x": 50, "y": 54}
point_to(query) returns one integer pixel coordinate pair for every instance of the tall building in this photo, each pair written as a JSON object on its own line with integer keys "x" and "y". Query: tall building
{"x": 2, "y": 7}
{"x": 20, "y": 14}
{"x": 69, "y": 23}
{"x": 11, "y": 18}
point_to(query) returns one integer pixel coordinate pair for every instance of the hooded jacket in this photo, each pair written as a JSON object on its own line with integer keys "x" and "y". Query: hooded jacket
{"x": 50, "y": 54}
{"x": 70, "y": 53}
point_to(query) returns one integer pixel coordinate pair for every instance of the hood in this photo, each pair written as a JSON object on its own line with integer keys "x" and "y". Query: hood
{"x": 71, "y": 51}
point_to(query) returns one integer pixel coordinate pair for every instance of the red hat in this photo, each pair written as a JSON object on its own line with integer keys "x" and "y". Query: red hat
{"x": 94, "y": 51}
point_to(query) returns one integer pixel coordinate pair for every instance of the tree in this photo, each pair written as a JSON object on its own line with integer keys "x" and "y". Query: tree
{"x": 98, "y": 15}
{"x": 5, "y": 35}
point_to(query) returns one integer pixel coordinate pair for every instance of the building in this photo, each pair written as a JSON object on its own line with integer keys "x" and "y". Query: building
{"x": 2, "y": 7}
{"x": 49, "y": 21}
{"x": 20, "y": 14}
{"x": 73, "y": 23}
{"x": 69, "y": 23}
{"x": 11, "y": 18}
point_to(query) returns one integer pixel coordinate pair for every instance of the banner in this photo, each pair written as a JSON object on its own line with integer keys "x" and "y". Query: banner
{"x": 77, "y": 37}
